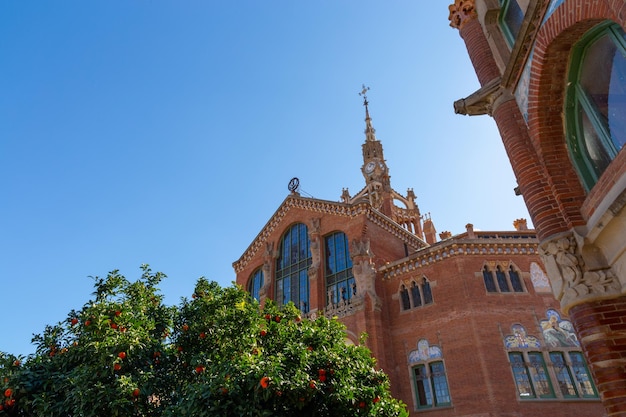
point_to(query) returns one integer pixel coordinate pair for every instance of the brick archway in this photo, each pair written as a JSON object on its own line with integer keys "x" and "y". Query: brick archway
{"x": 546, "y": 119}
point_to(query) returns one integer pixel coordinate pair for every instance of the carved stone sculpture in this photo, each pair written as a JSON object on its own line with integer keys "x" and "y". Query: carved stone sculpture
{"x": 572, "y": 283}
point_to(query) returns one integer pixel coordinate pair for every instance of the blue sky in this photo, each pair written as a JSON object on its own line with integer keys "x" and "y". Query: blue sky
{"x": 165, "y": 132}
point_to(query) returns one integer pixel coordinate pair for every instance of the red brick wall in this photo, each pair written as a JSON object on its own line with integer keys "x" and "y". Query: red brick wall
{"x": 469, "y": 325}
{"x": 602, "y": 330}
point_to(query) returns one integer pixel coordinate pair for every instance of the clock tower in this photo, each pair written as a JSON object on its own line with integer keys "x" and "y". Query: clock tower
{"x": 374, "y": 168}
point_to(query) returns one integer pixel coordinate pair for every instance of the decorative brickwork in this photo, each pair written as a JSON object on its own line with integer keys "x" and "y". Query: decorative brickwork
{"x": 581, "y": 231}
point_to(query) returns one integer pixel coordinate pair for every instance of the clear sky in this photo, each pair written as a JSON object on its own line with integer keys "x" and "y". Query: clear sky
{"x": 166, "y": 131}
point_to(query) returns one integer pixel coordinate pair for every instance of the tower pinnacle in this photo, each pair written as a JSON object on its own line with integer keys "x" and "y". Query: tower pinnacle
{"x": 370, "y": 132}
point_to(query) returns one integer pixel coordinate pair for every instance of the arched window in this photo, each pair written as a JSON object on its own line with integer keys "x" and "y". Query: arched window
{"x": 596, "y": 106}
{"x": 428, "y": 294}
{"x": 505, "y": 279}
{"x": 404, "y": 296}
{"x": 488, "y": 278}
{"x": 340, "y": 284}
{"x": 501, "y": 277}
{"x": 510, "y": 20}
{"x": 255, "y": 284}
{"x": 294, "y": 259}
{"x": 516, "y": 282}
{"x": 415, "y": 294}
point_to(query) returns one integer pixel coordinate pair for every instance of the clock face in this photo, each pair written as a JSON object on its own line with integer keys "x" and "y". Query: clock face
{"x": 369, "y": 168}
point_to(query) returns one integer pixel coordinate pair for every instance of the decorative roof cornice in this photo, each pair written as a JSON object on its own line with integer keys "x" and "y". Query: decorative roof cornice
{"x": 294, "y": 201}
{"x": 485, "y": 244}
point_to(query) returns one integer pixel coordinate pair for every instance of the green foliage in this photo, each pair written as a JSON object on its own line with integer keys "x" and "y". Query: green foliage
{"x": 127, "y": 354}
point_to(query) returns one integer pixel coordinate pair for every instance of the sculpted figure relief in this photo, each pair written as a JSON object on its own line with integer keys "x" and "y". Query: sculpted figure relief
{"x": 314, "y": 238}
{"x": 268, "y": 257}
{"x": 571, "y": 282}
{"x": 364, "y": 270}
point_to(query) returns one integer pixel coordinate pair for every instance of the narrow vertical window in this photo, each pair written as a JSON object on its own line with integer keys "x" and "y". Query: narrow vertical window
{"x": 415, "y": 294}
{"x": 256, "y": 283}
{"x": 521, "y": 376}
{"x": 428, "y": 294}
{"x": 440, "y": 384}
{"x": 563, "y": 375}
{"x": 511, "y": 17}
{"x": 422, "y": 387}
{"x": 502, "y": 282}
{"x": 340, "y": 283}
{"x": 488, "y": 278}
{"x": 292, "y": 284}
{"x": 404, "y": 296}
{"x": 539, "y": 375}
{"x": 581, "y": 373}
{"x": 516, "y": 281}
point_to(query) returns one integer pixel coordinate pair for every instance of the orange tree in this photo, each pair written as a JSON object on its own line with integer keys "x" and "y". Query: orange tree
{"x": 219, "y": 353}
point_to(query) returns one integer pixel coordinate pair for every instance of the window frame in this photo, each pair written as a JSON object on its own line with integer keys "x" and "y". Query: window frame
{"x": 507, "y": 32}
{"x": 538, "y": 373}
{"x": 341, "y": 278}
{"x": 424, "y": 290}
{"x": 578, "y": 105}
{"x": 257, "y": 277}
{"x": 429, "y": 383}
{"x": 295, "y": 270}
{"x": 490, "y": 275}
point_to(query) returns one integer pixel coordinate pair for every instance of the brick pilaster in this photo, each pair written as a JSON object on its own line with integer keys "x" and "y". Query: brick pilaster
{"x": 601, "y": 327}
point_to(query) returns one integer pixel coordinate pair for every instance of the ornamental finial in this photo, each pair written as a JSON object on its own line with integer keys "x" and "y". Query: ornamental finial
{"x": 363, "y": 93}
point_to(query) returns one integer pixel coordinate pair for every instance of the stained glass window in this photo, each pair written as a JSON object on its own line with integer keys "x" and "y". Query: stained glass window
{"x": 529, "y": 361}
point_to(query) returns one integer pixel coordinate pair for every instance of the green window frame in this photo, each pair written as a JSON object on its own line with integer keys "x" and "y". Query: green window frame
{"x": 431, "y": 385}
{"x": 582, "y": 376}
{"x": 510, "y": 20}
{"x": 294, "y": 259}
{"x": 531, "y": 375}
{"x": 256, "y": 283}
{"x": 595, "y": 106}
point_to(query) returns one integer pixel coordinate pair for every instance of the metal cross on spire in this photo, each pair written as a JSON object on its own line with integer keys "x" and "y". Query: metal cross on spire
{"x": 363, "y": 93}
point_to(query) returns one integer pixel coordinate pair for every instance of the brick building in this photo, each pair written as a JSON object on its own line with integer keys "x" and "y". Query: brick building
{"x": 553, "y": 77}
{"x": 464, "y": 325}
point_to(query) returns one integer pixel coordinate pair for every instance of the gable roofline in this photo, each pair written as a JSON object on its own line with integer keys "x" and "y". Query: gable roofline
{"x": 295, "y": 201}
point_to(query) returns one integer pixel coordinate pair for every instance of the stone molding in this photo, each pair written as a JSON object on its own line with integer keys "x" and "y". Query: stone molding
{"x": 325, "y": 207}
{"x": 572, "y": 281}
{"x": 478, "y": 246}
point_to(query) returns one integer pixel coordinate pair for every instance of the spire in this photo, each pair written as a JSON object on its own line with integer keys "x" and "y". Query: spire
{"x": 370, "y": 132}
